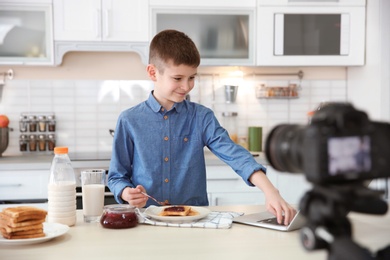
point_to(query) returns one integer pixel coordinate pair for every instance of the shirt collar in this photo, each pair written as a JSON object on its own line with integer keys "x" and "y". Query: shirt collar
{"x": 156, "y": 107}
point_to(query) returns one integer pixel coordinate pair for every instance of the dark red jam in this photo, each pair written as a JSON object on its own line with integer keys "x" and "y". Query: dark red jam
{"x": 119, "y": 216}
{"x": 175, "y": 209}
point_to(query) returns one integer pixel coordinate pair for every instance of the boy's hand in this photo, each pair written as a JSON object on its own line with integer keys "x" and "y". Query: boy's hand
{"x": 134, "y": 196}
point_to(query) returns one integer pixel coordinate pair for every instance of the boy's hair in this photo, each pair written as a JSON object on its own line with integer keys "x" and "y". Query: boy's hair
{"x": 175, "y": 46}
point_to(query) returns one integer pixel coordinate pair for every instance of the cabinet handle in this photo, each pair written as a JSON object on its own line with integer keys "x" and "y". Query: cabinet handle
{"x": 106, "y": 23}
{"x": 98, "y": 23}
{"x": 10, "y": 185}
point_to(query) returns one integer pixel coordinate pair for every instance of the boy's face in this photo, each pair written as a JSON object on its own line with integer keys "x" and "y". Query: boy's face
{"x": 173, "y": 84}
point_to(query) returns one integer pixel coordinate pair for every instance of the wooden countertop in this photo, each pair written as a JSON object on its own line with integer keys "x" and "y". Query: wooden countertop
{"x": 91, "y": 241}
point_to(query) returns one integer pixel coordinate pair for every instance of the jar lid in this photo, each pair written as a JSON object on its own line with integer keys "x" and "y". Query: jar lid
{"x": 51, "y": 117}
{"x": 33, "y": 136}
{"x": 42, "y": 137}
{"x": 42, "y": 117}
{"x": 60, "y": 150}
{"x": 33, "y": 117}
{"x": 51, "y": 136}
{"x": 119, "y": 208}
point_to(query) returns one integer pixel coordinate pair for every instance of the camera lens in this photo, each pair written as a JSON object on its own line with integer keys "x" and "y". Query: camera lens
{"x": 283, "y": 148}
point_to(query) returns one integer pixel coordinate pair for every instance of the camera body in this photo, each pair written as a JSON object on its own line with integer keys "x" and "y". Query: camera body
{"x": 341, "y": 145}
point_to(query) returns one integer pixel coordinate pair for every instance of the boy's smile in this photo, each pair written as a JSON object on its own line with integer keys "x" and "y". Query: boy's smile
{"x": 172, "y": 83}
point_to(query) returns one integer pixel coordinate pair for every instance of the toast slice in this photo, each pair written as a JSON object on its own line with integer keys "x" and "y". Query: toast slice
{"x": 175, "y": 211}
{"x": 22, "y": 236}
{"x": 22, "y": 213}
{"x": 9, "y": 229}
{"x": 9, "y": 222}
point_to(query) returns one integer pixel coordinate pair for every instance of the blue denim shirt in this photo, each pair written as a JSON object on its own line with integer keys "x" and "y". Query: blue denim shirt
{"x": 163, "y": 151}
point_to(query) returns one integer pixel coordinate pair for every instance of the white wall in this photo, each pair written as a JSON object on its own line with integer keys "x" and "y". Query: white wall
{"x": 368, "y": 86}
{"x": 86, "y": 109}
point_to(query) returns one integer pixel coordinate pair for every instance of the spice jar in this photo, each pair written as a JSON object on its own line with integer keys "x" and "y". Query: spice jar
{"x": 51, "y": 122}
{"x": 33, "y": 123}
{"x": 42, "y": 142}
{"x": 42, "y": 123}
{"x": 51, "y": 142}
{"x": 119, "y": 216}
{"x": 23, "y": 140}
{"x": 33, "y": 143}
{"x": 23, "y": 124}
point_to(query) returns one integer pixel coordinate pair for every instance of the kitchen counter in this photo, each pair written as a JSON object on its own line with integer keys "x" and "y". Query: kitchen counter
{"x": 91, "y": 241}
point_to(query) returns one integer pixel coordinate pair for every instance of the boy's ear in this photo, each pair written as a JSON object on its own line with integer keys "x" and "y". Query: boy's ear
{"x": 151, "y": 70}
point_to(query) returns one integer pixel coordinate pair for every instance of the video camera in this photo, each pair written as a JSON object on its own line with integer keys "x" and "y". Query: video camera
{"x": 338, "y": 152}
{"x": 340, "y": 145}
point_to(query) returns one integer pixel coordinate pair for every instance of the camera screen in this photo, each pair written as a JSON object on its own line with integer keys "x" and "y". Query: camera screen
{"x": 350, "y": 154}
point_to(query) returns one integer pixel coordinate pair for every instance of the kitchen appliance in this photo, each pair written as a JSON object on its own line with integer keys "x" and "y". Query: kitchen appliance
{"x": 3, "y": 139}
{"x": 297, "y": 32}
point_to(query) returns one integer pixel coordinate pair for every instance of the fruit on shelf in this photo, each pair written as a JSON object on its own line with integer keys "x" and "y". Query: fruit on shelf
{"x": 4, "y": 121}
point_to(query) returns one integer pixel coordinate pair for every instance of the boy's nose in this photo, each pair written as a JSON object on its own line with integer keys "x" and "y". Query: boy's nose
{"x": 186, "y": 86}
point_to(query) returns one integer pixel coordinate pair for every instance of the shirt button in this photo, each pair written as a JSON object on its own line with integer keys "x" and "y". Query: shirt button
{"x": 166, "y": 180}
{"x": 166, "y": 159}
{"x": 162, "y": 109}
{"x": 166, "y": 138}
{"x": 185, "y": 139}
{"x": 165, "y": 117}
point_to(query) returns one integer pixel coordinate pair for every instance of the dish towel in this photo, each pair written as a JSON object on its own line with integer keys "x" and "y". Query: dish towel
{"x": 216, "y": 219}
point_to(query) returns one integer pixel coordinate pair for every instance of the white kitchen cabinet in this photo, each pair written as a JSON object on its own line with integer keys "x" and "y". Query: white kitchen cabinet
{"x": 291, "y": 186}
{"x": 26, "y": 33}
{"x": 225, "y": 187}
{"x": 101, "y": 20}
{"x": 223, "y": 31}
{"x": 23, "y": 185}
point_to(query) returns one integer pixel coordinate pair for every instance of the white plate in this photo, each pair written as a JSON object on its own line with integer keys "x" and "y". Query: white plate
{"x": 154, "y": 212}
{"x": 51, "y": 230}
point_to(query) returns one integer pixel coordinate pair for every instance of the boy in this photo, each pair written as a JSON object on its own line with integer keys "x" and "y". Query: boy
{"x": 158, "y": 144}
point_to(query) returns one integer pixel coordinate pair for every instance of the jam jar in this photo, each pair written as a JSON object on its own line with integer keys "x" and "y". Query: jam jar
{"x": 119, "y": 216}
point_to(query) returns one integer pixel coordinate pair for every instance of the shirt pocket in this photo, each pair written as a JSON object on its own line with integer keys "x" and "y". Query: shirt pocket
{"x": 188, "y": 151}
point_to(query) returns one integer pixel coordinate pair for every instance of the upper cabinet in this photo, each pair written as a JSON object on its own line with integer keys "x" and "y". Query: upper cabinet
{"x": 101, "y": 25}
{"x": 101, "y": 20}
{"x": 223, "y": 31}
{"x": 26, "y": 33}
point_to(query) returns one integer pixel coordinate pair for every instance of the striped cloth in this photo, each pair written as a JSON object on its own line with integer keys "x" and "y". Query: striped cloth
{"x": 216, "y": 219}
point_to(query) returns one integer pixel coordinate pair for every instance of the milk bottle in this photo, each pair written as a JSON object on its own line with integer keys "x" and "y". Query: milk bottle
{"x": 61, "y": 189}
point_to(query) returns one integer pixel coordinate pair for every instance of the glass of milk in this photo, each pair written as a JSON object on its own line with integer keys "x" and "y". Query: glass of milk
{"x": 93, "y": 182}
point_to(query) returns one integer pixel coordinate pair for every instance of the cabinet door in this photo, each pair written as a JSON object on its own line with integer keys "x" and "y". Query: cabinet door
{"x": 125, "y": 20}
{"x": 101, "y": 20}
{"x": 26, "y": 34}
{"x": 76, "y": 20}
{"x": 23, "y": 185}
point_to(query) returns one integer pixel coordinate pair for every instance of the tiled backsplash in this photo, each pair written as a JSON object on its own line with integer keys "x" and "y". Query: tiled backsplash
{"x": 85, "y": 110}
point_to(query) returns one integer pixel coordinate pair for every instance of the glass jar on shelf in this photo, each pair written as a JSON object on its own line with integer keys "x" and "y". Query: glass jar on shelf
{"x": 32, "y": 123}
{"x": 42, "y": 142}
{"x": 33, "y": 143}
{"x": 23, "y": 140}
{"x": 51, "y": 122}
{"x": 23, "y": 123}
{"x": 42, "y": 123}
{"x": 51, "y": 142}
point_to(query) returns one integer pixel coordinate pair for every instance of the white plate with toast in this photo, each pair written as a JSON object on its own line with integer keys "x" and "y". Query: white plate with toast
{"x": 197, "y": 213}
{"x": 51, "y": 231}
